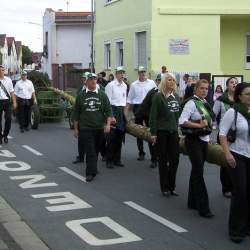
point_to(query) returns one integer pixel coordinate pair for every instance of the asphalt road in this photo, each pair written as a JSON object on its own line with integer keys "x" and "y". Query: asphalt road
{"x": 121, "y": 209}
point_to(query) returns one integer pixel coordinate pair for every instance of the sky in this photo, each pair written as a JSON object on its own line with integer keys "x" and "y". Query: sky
{"x": 22, "y": 19}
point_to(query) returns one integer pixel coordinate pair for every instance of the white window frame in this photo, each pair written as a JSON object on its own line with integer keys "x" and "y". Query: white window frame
{"x": 118, "y": 58}
{"x": 136, "y": 60}
{"x": 247, "y": 64}
{"x": 107, "y": 60}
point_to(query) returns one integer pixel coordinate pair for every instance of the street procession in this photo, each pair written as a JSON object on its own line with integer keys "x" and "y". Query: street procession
{"x": 122, "y": 135}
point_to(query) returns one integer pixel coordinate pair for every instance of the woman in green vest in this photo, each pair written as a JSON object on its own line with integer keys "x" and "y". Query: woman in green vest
{"x": 163, "y": 122}
{"x": 221, "y": 105}
{"x": 196, "y": 119}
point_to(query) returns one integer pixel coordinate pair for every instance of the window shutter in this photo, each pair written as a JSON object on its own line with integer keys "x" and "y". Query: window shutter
{"x": 141, "y": 49}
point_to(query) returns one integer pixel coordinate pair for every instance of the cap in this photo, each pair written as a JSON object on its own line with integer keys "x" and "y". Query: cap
{"x": 142, "y": 69}
{"x": 24, "y": 73}
{"x": 158, "y": 77}
{"x": 85, "y": 74}
{"x": 91, "y": 75}
{"x": 120, "y": 69}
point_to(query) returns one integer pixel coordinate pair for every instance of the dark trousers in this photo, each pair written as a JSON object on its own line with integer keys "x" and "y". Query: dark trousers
{"x": 225, "y": 177}
{"x": 197, "y": 195}
{"x": 5, "y": 107}
{"x": 114, "y": 145}
{"x": 90, "y": 140}
{"x": 103, "y": 145}
{"x": 23, "y": 112}
{"x": 168, "y": 156}
{"x": 152, "y": 148}
{"x": 81, "y": 153}
{"x": 239, "y": 218}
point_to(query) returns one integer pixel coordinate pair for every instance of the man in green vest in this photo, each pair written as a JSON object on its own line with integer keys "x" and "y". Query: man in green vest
{"x": 92, "y": 117}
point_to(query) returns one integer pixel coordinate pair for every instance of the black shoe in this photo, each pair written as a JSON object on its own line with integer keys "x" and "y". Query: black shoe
{"x": 236, "y": 238}
{"x": 153, "y": 164}
{"x": 227, "y": 195}
{"x": 21, "y": 130}
{"x": 26, "y": 128}
{"x": 118, "y": 164}
{"x": 1, "y": 140}
{"x": 5, "y": 139}
{"x": 207, "y": 215}
{"x": 109, "y": 165}
{"x": 103, "y": 158}
{"x": 166, "y": 193}
{"x": 141, "y": 158}
{"x": 248, "y": 232}
{"x": 77, "y": 161}
{"x": 173, "y": 193}
{"x": 89, "y": 178}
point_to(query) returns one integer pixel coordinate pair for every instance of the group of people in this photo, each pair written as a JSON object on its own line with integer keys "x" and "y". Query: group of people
{"x": 157, "y": 105}
{"x": 21, "y": 97}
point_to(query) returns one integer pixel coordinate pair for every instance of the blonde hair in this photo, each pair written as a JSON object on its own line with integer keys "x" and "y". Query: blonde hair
{"x": 199, "y": 83}
{"x": 163, "y": 84}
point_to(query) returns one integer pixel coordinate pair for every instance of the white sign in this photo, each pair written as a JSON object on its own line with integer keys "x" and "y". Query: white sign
{"x": 179, "y": 46}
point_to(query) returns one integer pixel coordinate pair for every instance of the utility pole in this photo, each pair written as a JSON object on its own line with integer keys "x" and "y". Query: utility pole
{"x": 67, "y": 6}
{"x": 92, "y": 36}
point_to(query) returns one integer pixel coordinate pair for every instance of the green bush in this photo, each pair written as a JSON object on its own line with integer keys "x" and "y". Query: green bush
{"x": 39, "y": 79}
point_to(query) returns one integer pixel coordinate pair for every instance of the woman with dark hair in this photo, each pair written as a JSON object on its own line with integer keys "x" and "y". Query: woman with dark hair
{"x": 218, "y": 92}
{"x": 221, "y": 105}
{"x": 111, "y": 77}
{"x": 238, "y": 157}
{"x": 197, "y": 116}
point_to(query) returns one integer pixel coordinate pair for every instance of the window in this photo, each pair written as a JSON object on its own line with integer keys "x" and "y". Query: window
{"x": 140, "y": 49}
{"x": 248, "y": 51}
{"x": 119, "y": 54}
{"x": 107, "y": 56}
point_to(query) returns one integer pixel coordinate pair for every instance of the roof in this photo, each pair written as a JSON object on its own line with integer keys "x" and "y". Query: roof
{"x": 62, "y": 17}
{"x": 2, "y": 39}
{"x": 72, "y": 14}
{"x": 18, "y": 48}
{"x": 9, "y": 42}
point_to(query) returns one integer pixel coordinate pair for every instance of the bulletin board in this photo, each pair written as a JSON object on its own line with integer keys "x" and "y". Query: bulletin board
{"x": 221, "y": 80}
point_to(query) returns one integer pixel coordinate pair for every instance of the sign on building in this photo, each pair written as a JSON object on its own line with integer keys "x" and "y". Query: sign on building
{"x": 178, "y": 46}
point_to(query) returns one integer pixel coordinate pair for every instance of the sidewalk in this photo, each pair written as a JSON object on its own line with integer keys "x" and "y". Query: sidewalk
{"x": 15, "y": 234}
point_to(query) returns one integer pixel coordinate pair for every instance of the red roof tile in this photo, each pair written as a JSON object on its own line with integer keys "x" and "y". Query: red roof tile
{"x": 18, "y": 48}
{"x": 2, "y": 39}
{"x": 76, "y": 14}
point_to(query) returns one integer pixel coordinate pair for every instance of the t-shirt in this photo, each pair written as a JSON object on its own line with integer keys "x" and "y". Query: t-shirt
{"x": 7, "y": 83}
{"x": 24, "y": 89}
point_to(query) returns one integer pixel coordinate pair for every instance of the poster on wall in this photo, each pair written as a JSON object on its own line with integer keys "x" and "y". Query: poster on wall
{"x": 178, "y": 46}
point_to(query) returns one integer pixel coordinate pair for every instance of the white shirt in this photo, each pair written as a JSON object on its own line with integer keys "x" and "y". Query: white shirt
{"x": 219, "y": 107}
{"x": 7, "y": 83}
{"x": 241, "y": 145}
{"x": 138, "y": 91}
{"x": 95, "y": 91}
{"x": 24, "y": 89}
{"x": 117, "y": 93}
{"x": 190, "y": 112}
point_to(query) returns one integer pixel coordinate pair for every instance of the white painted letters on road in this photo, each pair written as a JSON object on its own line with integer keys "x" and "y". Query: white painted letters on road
{"x": 7, "y": 153}
{"x": 22, "y": 166}
{"x": 77, "y": 228}
{"x": 73, "y": 201}
{"x": 32, "y": 181}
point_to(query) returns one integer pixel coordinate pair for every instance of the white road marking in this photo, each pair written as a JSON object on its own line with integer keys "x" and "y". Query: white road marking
{"x": 156, "y": 217}
{"x": 32, "y": 150}
{"x": 74, "y": 174}
{"x": 10, "y": 137}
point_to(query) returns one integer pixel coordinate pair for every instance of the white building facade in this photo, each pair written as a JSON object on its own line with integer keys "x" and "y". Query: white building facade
{"x": 66, "y": 40}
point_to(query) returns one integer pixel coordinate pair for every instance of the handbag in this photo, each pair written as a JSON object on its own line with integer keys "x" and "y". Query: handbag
{"x": 196, "y": 131}
{"x": 231, "y": 135}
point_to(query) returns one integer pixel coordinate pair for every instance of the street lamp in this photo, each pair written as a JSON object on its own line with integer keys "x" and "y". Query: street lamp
{"x": 92, "y": 36}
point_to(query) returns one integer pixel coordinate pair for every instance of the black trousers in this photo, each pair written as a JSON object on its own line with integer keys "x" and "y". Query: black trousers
{"x": 81, "y": 153}
{"x": 90, "y": 141}
{"x": 152, "y": 148}
{"x": 23, "y": 112}
{"x": 239, "y": 218}
{"x": 114, "y": 145}
{"x": 5, "y": 107}
{"x": 197, "y": 195}
{"x": 168, "y": 156}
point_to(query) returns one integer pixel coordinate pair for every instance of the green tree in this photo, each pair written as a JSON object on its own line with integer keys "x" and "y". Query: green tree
{"x": 27, "y": 55}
